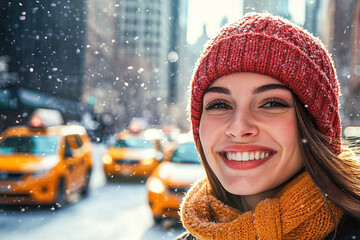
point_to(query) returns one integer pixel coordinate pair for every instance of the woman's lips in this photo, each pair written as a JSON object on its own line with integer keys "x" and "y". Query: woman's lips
{"x": 250, "y": 157}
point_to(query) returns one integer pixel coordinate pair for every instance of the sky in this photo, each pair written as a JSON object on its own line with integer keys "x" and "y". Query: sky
{"x": 211, "y": 13}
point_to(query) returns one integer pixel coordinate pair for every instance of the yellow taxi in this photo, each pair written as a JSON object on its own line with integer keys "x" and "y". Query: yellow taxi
{"x": 171, "y": 179}
{"x": 352, "y": 138}
{"x": 44, "y": 162}
{"x": 131, "y": 155}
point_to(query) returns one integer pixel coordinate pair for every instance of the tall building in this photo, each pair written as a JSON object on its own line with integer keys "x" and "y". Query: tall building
{"x": 42, "y": 57}
{"x": 144, "y": 31}
{"x": 174, "y": 47}
{"x": 101, "y": 81}
{"x": 188, "y": 56}
{"x": 180, "y": 66}
{"x": 338, "y": 25}
{"x": 132, "y": 58}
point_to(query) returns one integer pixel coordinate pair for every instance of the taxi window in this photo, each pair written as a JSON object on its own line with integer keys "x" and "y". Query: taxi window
{"x": 185, "y": 153}
{"x": 68, "y": 149}
{"x": 36, "y": 144}
{"x": 133, "y": 142}
{"x": 72, "y": 142}
{"x": 78, "y": 140}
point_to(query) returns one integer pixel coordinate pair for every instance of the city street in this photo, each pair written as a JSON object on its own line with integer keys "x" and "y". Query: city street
{"x": 111, "y": 211}
{"x": 260, "y": 98}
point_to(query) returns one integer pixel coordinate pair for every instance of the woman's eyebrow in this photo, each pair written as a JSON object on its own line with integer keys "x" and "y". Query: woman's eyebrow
{"x": 218, "y": 90}
{"x": 268, "y": 87}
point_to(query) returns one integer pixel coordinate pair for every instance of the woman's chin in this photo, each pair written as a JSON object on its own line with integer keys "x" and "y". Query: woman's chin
{"x": 243, "y": 188}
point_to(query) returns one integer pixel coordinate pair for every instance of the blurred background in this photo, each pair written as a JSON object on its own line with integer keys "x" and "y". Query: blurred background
{"x": 111, "y": 64}
{"x": 103, "y": 63}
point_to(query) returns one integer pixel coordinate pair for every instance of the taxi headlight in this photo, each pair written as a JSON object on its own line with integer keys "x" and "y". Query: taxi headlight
{"x": 107, "y": 159}
{"x": 147, "y": 161}
{"x": 155, "y": 185}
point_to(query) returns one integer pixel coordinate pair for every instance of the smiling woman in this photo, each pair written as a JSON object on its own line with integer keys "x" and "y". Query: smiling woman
{"x": 265, "y": 118}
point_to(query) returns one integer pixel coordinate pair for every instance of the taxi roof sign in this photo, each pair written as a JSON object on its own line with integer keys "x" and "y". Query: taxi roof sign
{"x": 42, "y": 117}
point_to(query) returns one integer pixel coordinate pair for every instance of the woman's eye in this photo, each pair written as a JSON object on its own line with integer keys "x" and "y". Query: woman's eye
{"x": 217, "y": 105}
{"x": 275, "y": 103}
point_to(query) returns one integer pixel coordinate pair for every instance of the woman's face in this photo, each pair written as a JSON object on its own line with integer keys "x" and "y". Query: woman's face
{"x": 248, "y": 132}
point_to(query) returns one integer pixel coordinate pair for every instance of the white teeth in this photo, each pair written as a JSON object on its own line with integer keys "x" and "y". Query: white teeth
{"x": 246, "y": 156}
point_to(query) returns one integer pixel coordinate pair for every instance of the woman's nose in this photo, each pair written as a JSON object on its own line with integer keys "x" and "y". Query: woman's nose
{"x": 242, "y": 125}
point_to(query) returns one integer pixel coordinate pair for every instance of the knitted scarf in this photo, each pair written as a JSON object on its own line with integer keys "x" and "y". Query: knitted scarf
{"x": 298, "y": 212}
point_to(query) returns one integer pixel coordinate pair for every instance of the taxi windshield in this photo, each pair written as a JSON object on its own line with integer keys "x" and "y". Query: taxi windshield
{"x": 45, "y": 145}
{"x": 185, "y": 153}
{"x": 133, "y": 143}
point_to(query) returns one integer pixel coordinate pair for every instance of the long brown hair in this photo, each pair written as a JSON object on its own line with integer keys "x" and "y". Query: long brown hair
{"x": 337, "y": 177}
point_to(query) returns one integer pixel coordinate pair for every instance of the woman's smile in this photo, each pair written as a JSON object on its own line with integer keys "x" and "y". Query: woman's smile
{"x": 246, "y": 157}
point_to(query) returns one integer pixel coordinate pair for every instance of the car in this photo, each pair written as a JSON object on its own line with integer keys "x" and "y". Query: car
{"x": 352, "y": 138}
{"x": 131, "y": 155}
{"x": 45, "y": 161}
{"x": 168, "y": 183}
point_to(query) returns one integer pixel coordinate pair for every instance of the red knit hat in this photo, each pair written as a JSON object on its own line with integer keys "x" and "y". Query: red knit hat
{"x": 273, "y": 46}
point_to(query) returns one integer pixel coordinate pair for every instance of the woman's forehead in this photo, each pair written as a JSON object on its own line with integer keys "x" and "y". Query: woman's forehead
{"x": 249, "y": 81}
{"x": 247, "y": 78}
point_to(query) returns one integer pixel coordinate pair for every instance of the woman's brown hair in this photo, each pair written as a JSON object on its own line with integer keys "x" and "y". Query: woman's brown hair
{"x": 337, "y": 177}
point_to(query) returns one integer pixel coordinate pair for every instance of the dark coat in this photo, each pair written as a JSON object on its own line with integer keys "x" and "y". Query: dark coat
{"x": 349, "y": 229}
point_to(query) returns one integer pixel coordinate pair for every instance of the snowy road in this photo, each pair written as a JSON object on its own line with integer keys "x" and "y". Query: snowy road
{"x": 111, "y": 211}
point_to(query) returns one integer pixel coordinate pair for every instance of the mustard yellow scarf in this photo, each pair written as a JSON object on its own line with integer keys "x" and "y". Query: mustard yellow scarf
{"x": 297, "y": 212}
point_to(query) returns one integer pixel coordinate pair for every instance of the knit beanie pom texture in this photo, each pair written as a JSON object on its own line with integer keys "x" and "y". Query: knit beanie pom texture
{"x": 273, "y": 46}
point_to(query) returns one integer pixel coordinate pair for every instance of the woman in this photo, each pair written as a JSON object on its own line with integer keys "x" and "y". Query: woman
{"x": 265, "y": 118}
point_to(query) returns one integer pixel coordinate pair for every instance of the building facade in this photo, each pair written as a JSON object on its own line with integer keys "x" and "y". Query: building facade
{"x": 41, "y": 58}
{"x": 338, "y": 25}
{"x": 132, "y": 59}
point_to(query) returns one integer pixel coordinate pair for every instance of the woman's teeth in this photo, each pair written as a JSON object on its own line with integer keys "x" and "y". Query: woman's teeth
{"x": 246, "y": 156}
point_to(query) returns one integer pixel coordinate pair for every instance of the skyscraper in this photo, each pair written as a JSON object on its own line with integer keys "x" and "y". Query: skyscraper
{"x": 132, "y": 57}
